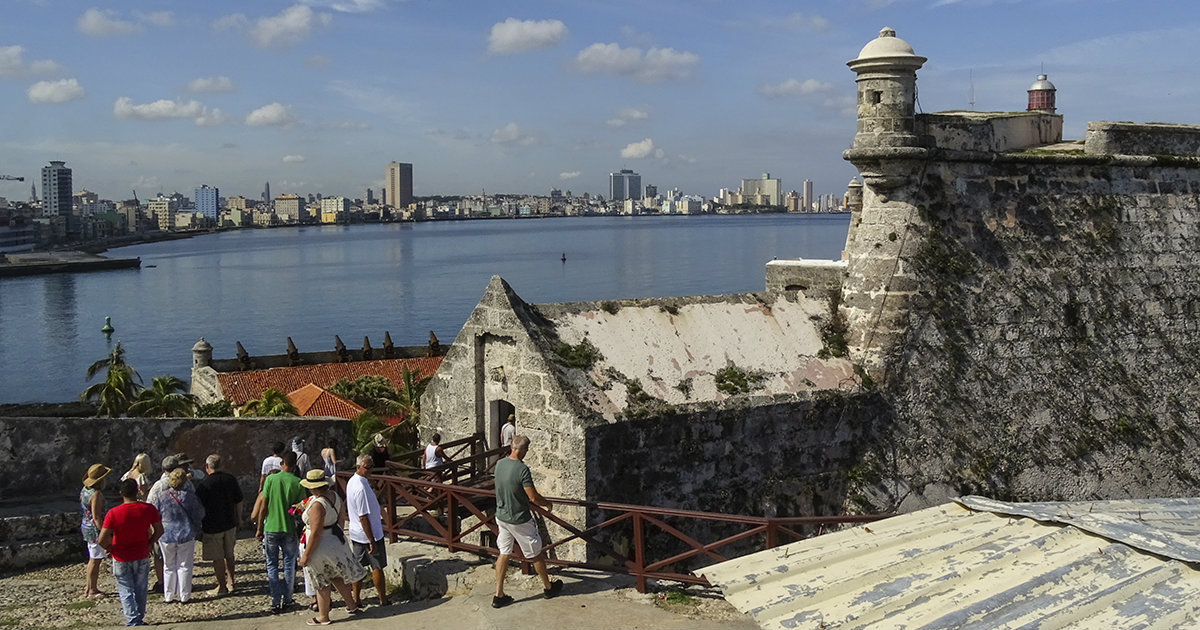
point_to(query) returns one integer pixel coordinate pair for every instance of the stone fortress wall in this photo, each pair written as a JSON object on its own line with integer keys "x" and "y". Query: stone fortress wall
{"x": 1027, "y": 306}
{"x": 46, "y": 458}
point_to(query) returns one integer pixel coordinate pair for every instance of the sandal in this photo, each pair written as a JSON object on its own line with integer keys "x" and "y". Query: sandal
{"x": 316, "y": 622}
{"x": 313, "y": 607}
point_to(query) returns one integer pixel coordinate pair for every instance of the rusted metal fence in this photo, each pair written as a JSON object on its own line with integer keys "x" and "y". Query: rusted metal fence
{"x": 641, "y": 541}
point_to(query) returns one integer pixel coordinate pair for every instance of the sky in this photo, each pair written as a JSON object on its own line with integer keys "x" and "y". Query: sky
{"x": 503, "y": 97}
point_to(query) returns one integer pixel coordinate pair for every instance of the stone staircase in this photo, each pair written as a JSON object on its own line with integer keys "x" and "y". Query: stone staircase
{"x": 35, "y": 534}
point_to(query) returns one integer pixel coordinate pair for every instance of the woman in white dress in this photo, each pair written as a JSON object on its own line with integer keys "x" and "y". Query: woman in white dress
{"x": 327, "y": 559}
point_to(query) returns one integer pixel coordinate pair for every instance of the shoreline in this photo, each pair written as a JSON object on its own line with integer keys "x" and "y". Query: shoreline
{"x": 32, "y": 264}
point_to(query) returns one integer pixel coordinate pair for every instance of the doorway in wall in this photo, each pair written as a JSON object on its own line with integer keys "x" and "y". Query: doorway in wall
{"x": 498, "y": 412}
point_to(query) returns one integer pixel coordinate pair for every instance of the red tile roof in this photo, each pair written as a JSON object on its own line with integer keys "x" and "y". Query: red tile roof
{"x": 311, "y": 400}
{"x": 240, "y": 387}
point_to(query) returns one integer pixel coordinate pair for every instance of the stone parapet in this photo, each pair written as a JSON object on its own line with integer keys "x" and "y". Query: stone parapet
{"x": 814, "y": 278}
{"x": 1126, "y": 138}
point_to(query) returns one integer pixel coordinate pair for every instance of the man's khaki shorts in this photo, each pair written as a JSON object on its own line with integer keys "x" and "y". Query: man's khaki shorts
{"x": 219, "y": 545}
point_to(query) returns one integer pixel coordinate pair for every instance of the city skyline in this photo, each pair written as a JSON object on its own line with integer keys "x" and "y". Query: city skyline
{"x": 699, "y": 95}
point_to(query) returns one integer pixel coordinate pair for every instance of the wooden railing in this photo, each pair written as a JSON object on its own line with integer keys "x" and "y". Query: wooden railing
{"x": 654, "y": 541}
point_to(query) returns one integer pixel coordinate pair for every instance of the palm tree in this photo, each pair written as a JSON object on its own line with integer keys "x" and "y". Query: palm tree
{"x": 117, "y": 390}
{"x": 166, "y": 397}
{"x": 373, "y": 393}
{"x": 272, "y": 403}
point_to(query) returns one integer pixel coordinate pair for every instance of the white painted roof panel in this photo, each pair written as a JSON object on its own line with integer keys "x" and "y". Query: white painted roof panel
{"x": 1002, "y": 565}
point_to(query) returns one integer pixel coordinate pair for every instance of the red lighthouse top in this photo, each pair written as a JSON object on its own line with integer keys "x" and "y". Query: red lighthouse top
{"x": 1041, "y": 95}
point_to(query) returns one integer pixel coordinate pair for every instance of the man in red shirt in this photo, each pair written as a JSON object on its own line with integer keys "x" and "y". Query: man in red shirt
{"x": 128, "y": 532}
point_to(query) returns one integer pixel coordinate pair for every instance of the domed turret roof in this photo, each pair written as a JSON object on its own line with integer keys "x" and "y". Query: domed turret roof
{"x": 202, "y": 346}
{"x": 1041, "y": 84}
{"x": 886, "y": 45}
{"x": 886, "y": 53}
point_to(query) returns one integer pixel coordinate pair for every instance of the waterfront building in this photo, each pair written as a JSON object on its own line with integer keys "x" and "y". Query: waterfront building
{"x": 398, "y": 185}
{"x": 624, "y": 185}
{"x": 162, "y": 210}
{"x": 288, "y": 207}
{"x": 206, "y": 201}
{"x": 56, "y": 190}
{"x": 335, "y": 210}
{"x": 84, "y": 203}
{"x": 792, "y": 201}
{"x": 651, "y": 192}
{"x": 238, "y": 203}
{"x": 807, "y": 195}
{"x": 764, "y": 191}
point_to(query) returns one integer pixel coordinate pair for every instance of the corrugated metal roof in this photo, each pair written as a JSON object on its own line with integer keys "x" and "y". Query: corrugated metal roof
{"x": 981, "y": 563}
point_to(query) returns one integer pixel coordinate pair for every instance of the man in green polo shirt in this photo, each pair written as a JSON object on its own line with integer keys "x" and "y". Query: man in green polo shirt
{"x": 514, "y": 493}
{"x": 277, "y": 531}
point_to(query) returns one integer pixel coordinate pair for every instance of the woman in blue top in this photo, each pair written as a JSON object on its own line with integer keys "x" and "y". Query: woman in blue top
{"x": 91, "y": 505}
{"x": 181, "y": 516}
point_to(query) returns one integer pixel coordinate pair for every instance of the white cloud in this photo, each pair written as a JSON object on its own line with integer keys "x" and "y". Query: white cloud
{"x": 349, "y": 6}
{"x": 13, "y": 65}
{"x": 792, "y": 87}
{"x": 210, "y": 118}
{"x": 211, "y": 84}
{"x": 656, "y": 65}
{"x": 231, "y": 22}
{"x": 512, "y": 134}
{"x": 626, "y": 116}
{"x": 801, "y": 22}
{"x": 350, "y": 125}
{"x": 565, "y": 175}
{"x": 639, "y": 150}
{"x": 99, "y": 23}
{"x": 164, "y": 109}
{"x": 273, "y": 114}
{"x": 513, "y": 35}
{"x": 292, "y": 25}
{"x": 158, "y": 18}
{"x": 293, "y": 159}
{"x": 59, "y": 91}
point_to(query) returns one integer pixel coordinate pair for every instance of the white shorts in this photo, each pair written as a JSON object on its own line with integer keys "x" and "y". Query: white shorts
{"x": 96, "y": 552}
{"x": 525, "y": 535}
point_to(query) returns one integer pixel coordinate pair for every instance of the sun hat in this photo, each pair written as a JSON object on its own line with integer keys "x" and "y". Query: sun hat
{"x": 170, "y": 462}
{"x": 315, "y": 478}
{"x": 94, "y": 474}
{"x": 181, "y": 459}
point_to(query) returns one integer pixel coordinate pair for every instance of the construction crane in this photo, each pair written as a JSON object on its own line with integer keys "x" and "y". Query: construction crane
{"x": 11, "y": 178}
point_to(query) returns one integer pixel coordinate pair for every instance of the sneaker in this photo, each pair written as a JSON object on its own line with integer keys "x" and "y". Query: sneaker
{"x": 276, "y": 610}
{"x": 555, "y": 588}
{"x": 501, "y": 602}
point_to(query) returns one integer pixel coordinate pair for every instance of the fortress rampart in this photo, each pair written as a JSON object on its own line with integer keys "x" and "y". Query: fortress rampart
{"x": 1027, "y": 306}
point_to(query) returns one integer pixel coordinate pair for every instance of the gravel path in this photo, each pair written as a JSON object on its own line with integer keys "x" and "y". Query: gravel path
{"x": 52, "y": 598}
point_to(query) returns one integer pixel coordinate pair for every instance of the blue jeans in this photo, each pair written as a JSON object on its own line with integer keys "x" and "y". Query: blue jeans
{"x": 281, "y": 547}
{"x": 131, "y": 580}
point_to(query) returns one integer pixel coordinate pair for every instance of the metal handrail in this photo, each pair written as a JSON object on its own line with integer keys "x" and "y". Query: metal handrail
{"x": 455, "y": 502}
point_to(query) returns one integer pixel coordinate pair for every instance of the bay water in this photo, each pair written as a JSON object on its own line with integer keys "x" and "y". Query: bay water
{"x": 311, "y": 283}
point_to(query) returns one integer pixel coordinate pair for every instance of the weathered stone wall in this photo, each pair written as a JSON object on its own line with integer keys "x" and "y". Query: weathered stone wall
{"x": 494, "y": 358}
{"x": 1124, "y": 138}
{"x": 814, "y": 278}
{"x": 45, "y": 458}
{"x": 1033, "y": 319}
{"x": 990, "y": 132}
{"x": 788, "y": 459}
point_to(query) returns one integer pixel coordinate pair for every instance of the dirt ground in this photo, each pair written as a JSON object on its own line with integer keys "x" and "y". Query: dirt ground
{"x": 52, "y": 598}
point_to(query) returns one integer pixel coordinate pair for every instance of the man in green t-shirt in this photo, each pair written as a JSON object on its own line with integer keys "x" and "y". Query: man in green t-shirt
{"x": 277, "y": 531}
{"x": 514, "y": 493}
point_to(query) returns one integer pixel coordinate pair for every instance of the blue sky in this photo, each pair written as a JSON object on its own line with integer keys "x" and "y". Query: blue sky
{"x": 318, "y": 95}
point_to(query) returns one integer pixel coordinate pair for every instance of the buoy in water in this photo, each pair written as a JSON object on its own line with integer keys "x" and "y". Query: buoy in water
{"x": 564, "y": 258}
{"x": 108, "y": 327}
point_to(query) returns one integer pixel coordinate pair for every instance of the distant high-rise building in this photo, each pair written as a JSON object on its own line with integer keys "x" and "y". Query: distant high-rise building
{"x": 56, "y": 190}
{"x": 807, "y": 195}
{"x": 398, "y": 184}
{"x": 792, "y": 202}
{"x": 624, "y": 185}
{"x": 370, "y": 196}
{"x": 764, "y": 191}
{"x": 266, "y": 197}
{"x": 206, "y": 201}
{"x": 651, "y": 192}
{"x": 33, "y": 192}
{"x": 163, "y": 210}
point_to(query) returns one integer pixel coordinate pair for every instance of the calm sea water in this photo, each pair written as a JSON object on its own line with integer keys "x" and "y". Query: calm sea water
{"x": 261, "y": 286}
